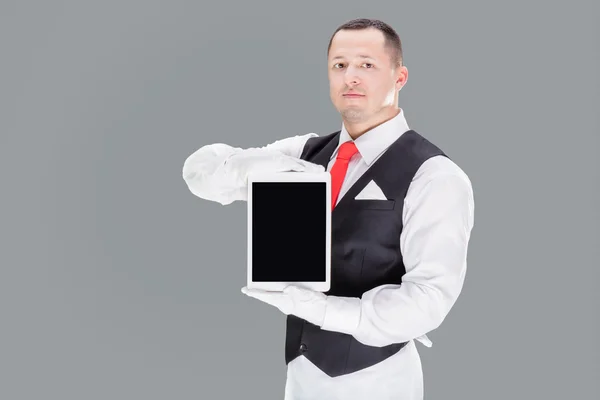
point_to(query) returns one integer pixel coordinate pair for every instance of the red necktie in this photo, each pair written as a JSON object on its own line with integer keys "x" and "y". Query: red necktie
{"x": 338, "y": 171}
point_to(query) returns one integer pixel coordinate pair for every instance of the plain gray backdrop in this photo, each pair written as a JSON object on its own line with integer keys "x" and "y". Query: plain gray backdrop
{"x": 117, "y": 283}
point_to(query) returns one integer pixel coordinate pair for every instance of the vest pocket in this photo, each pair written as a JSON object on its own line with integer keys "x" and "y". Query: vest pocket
{"x": 373, "y": 204}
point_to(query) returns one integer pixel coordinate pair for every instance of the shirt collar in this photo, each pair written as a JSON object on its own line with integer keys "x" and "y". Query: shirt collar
{"x": 374, "y": 142}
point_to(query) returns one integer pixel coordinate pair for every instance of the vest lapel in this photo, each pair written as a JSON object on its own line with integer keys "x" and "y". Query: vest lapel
{"x": 341, "y": 210}
{"x": 378, "y": 168}
{"x": 323, "y": 156}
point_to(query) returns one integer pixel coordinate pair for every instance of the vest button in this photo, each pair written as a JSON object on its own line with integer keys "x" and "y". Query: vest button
{"x": 303, "y": 347}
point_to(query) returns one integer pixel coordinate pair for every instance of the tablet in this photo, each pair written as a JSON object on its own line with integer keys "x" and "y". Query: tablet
{"x": 289, "y": 230}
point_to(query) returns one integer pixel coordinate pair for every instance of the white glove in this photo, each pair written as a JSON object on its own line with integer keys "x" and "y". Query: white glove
{"x": 257, "y": 160}
{"x": 303, "y": 303}
{"x": 219, "y": 172}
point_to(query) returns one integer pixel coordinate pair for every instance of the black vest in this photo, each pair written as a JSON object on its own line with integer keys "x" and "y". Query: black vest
{"x": 365, "y": 250}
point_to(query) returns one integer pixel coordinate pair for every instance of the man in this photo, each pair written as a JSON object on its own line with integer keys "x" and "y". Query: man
{"x": 401, "y": 225}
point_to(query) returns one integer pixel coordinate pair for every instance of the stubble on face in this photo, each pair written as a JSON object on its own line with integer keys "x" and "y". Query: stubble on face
{"x": 352, "y": 115}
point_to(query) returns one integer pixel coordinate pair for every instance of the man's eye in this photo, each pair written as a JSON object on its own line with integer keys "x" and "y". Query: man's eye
{"x": 369, "y": 65}
{"x": 338, "y": 65}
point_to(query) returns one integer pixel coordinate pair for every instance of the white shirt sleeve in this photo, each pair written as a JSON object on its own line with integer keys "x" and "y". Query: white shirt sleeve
{"x": 218, "y": 172}
{"x": 438, "y": 219}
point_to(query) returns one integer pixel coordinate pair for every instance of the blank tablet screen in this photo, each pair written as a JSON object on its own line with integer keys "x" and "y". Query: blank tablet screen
{"x": 288, "y": 231}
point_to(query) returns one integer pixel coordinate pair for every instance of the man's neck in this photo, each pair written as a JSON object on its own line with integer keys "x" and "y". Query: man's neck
{"x": 358, "y": 129}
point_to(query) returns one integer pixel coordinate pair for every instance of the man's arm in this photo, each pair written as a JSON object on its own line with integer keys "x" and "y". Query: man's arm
{"x": 218, "y": 172}
{"x": 434, "y": 242}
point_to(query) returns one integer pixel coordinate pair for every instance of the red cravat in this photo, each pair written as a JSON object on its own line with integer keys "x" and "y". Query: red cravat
{"x": 338, "y": 171}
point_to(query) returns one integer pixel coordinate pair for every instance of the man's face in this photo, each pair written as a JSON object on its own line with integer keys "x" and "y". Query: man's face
{"x": 363, "y": 83}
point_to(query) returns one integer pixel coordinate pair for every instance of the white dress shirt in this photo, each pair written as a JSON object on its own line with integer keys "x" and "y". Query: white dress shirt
{"x": 438, "y": 217}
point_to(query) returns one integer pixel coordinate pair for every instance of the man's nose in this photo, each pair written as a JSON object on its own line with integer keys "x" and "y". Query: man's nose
{"x": 351, "y": 78}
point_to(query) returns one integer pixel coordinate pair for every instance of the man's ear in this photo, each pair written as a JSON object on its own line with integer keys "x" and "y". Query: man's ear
{"x": 401, "y": 77}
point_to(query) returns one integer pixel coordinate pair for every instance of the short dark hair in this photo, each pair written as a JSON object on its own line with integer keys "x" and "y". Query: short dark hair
{"x": 392, "y": 39}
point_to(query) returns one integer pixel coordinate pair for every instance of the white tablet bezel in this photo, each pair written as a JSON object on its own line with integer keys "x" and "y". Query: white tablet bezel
{"x": 323, "y": 177}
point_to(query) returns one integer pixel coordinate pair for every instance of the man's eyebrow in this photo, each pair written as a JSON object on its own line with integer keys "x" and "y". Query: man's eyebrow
{"x": 360, "y": 56}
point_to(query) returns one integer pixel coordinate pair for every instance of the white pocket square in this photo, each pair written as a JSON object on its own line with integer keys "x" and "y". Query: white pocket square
{"x": 371, "y": 192}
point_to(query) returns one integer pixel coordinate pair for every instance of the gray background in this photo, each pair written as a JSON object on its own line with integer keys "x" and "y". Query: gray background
{"x": 117, "y": 283}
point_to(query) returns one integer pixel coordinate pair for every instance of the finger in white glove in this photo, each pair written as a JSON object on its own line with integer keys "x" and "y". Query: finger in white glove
{"x": 255, "y": 160}
{"x": 303, "y": 303}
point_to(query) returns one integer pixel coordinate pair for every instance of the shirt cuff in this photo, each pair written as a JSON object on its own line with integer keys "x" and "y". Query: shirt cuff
{"x": 342, "y": 314}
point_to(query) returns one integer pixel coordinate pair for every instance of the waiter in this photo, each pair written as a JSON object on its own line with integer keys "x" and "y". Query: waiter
{"x": 401, "y": 223}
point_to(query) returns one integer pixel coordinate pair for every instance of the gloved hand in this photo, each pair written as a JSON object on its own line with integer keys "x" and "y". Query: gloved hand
{"x": 303, "y": 303}
{"x": 257, "y": 160}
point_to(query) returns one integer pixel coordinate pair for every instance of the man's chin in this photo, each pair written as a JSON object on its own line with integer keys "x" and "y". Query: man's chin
{"x": 353, "y": 115}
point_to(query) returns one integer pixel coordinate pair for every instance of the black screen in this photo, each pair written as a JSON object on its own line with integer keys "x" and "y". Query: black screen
{"x": 288, "y": 231}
